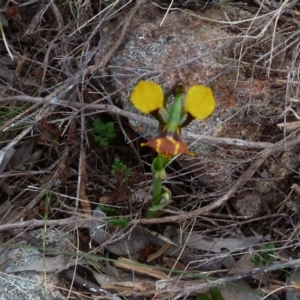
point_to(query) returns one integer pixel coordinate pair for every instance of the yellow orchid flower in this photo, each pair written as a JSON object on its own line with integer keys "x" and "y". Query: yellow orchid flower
{"x": 148, "y": 97}
{"x": 199, "y": 102}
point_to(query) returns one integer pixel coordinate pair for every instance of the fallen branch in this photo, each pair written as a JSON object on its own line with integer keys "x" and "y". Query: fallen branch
{"x": 98, "y": 108}
{"x": 283, "y": 145}
{"x": 184, "y": 288}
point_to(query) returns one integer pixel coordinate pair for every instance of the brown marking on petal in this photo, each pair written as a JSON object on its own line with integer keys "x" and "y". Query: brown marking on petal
{"x": 175, "y": 135}
{"x": 169, "y": 144}
{"x": 177, "y": 147}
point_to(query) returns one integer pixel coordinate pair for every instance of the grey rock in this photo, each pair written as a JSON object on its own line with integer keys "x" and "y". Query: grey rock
{"x": 195, "y": 47}
{"x": 29, "y": 285}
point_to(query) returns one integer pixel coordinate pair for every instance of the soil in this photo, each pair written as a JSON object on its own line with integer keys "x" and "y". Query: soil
{"x": 233, "y": 217}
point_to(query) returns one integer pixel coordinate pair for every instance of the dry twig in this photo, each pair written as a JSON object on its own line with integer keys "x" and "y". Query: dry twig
{"x": 283, "y": 145}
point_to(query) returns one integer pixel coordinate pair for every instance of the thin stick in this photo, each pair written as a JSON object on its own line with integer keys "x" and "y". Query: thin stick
{"x": 97, "y": 108}
{"x": 262, "y": 156}
{"x": 119, "y": 41}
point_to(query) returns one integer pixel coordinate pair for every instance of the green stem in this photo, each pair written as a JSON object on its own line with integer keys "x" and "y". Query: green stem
{"x": 171, "y": 126}
{"x": 158, "y": 166}
{"x": 157, "y": 175}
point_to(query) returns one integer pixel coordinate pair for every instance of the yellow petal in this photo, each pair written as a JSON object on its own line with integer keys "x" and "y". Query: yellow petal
{"x": 199, "y": 102}
{"x": 147, "y": 97}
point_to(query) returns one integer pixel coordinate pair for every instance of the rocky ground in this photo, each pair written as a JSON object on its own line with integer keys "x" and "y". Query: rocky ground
{"x": 74, "y": 181}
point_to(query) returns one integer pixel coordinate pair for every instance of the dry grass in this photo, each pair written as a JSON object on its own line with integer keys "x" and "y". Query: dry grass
{"x": 55, "y": 81}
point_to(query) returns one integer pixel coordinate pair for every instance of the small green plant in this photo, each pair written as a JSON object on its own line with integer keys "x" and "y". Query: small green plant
{"x": 114, "y": 220}
{"x": 265, "y": 257}
{"x": 120, "y": 169}
{"x": 214, "y": 292}
{"x": 120, "y": 222}
{"x": 109, "y": 211}
{"x": 103, "y": 132}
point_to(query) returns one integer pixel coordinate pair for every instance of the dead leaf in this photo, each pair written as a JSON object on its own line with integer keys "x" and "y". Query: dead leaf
{"x": 5, "y": 156}
{"x": 245, "y": 264}
{"x": 6, "y": 211}
{"x": 129, "y": 241}
{"x": 293, "y": 279}
{"x": 201, "y": 242}
{"x": 52, "y": 132}
{"x": 23, "y": 154}
{"x": 144, "y": 254}
{"x": 296, "y": 286}
{"x": 166, "y": 237}
{"x": 5, "y": 72}
{"x": 296, "y": 188}
{"x": 71, "y": 138}
{"x": 105, "y": 200}
{"x": 47, "y": 264}
{"x": 130, "y": 265}
{"x": 290, "y": 126}
{"x": 173, "y": 264}
{"x": 102, "y": 278}
{"x": 49, "y": 135}
{"x": 129, "y": 286}
{"x": 159, "y": 252}
{"x": 11, "y": 11}
{"x": 97, "y": 228}
{"x": 3, "y": 20}
{"x": 240, "y": 290}
{"x": 191, "y": 241}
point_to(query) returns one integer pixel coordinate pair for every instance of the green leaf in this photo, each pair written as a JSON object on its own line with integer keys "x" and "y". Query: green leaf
{"x": 264, "y": 258}
{"x": 120, "y": 169}
{"x": 121, "y": 222}
{"x": 102, "y": 128}
{"x": 128, "y": 172}
{"x": 215, "y": 293}
{"x": 110, "y": 135}
{"x": 202, "y": 297}
{"x": 110, "y": 126}
{"x": 162, "y": 201}
{"x": 96, "y": 122}
{"x": 103, "y": 143}
{"x": 104, "y": 132}
{"x": 255, "y": 259}
{"x": 109, "y": 211}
